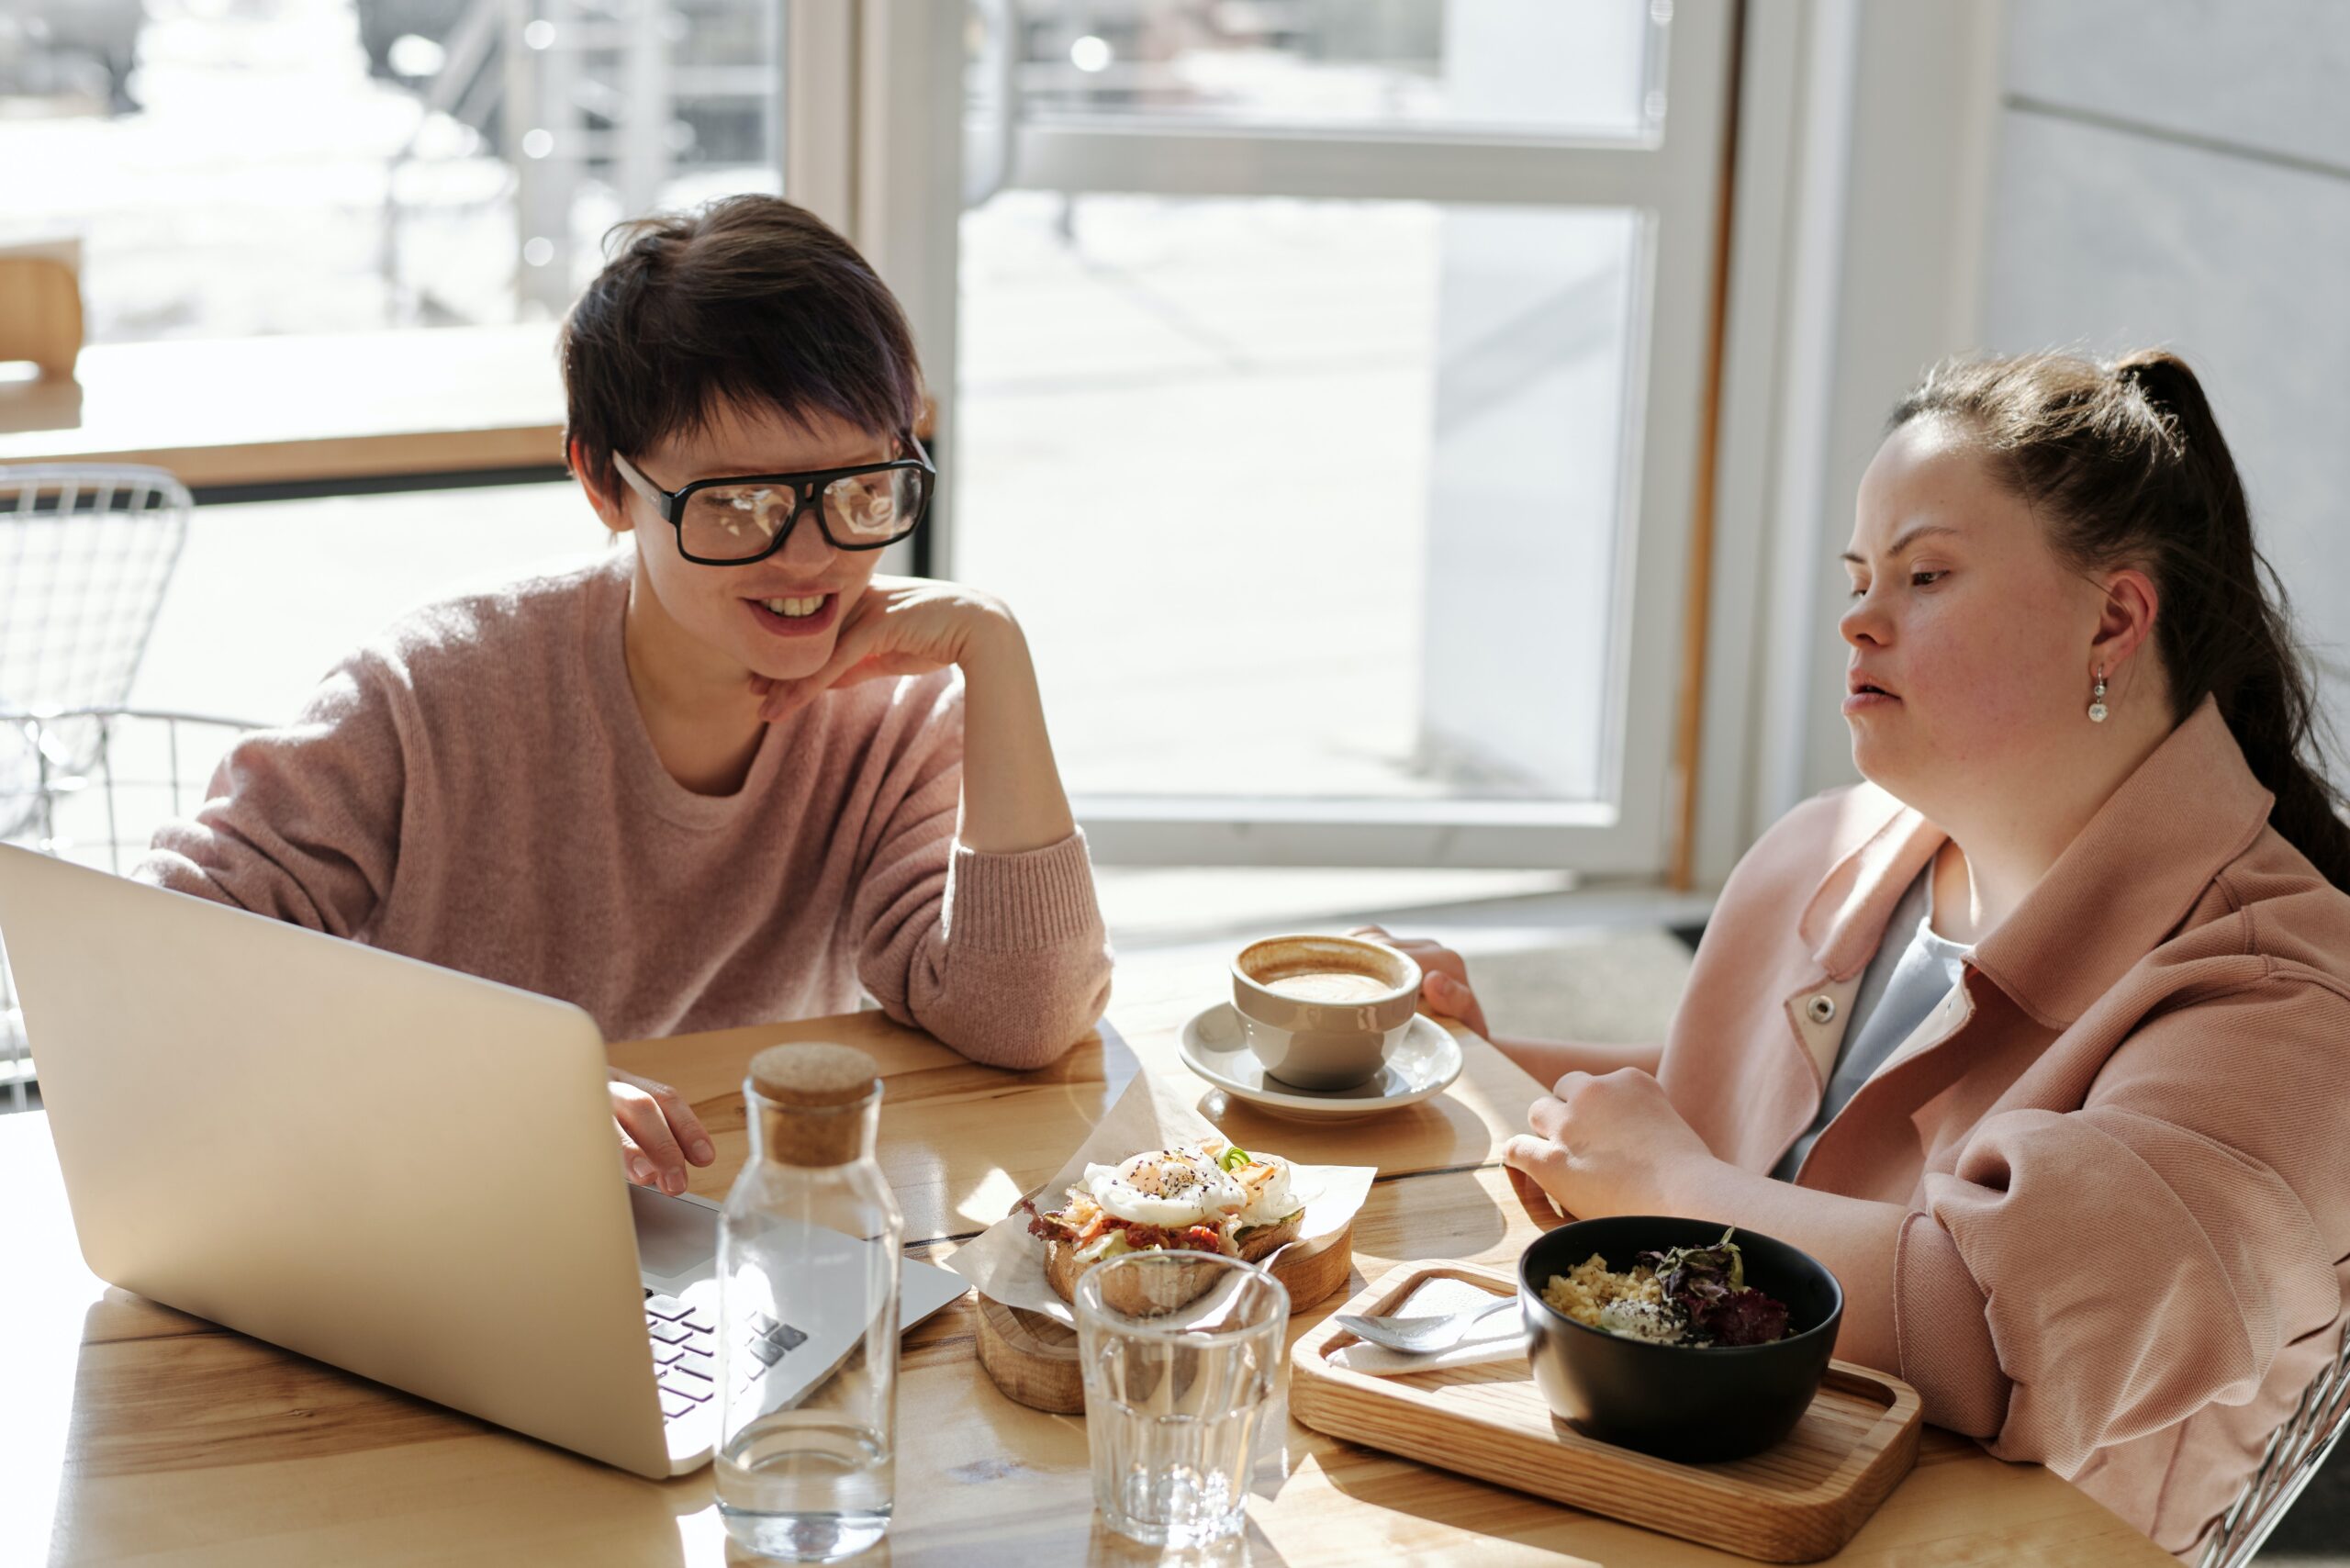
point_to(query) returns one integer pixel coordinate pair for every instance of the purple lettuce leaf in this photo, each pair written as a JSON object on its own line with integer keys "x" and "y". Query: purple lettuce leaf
{"x": 1708, "y": 1286}
{"x": 1741, "y": 1318}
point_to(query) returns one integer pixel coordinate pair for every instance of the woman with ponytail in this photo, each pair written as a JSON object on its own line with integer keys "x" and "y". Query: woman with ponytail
{"x": 2041, "y": 1037}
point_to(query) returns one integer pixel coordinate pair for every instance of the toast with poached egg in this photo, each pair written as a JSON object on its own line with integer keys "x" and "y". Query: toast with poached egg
{"x": 1211, "y": 1196}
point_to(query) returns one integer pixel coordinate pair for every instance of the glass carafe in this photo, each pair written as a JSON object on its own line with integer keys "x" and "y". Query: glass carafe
{"x": 808, "y": 1253}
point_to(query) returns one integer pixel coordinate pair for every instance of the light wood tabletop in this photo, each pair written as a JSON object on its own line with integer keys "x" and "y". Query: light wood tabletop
{"x": 250, "y": 413}
{"x": 132, "y": 1431}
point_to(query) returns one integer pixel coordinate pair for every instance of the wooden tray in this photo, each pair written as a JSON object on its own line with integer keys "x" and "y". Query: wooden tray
{"x": 1033, "y": 1358}
{"x": 1797, "y": 1502}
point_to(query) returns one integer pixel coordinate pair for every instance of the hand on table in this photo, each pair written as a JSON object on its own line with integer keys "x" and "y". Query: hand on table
{"x": 898, "y": 626}
{"x": 1444, "y": 977}
{"x": 1605, "y": 1144}
{"x": 659, "y": 1133}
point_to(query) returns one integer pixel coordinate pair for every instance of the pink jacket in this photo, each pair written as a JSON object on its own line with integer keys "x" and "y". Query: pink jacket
{"x": 2123, "y": 1143}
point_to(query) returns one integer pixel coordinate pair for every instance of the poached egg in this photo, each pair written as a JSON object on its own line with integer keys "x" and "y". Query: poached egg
{"x": 1171, "y": 1187}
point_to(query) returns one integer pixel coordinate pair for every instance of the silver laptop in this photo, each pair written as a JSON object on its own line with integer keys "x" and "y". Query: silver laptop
{"x": 403, "y": 1170}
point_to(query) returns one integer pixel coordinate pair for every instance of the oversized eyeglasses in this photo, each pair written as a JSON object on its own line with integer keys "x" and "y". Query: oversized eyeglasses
{"x": 732, "y": 522}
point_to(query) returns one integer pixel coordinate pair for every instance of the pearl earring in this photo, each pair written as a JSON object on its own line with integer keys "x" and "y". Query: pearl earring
{"x": 2097, "y": 699}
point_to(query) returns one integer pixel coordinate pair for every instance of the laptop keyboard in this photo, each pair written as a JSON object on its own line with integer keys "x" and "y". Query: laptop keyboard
{"x": 685, "y": 1351}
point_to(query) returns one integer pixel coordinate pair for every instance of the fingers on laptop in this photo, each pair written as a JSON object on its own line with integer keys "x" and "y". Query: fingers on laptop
{"x": 659, "y": 1133}
{"x": 636, "y": 1166}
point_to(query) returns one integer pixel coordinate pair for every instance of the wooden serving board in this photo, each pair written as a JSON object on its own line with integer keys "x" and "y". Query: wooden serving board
{"x": 1796, "y": 1502}
{"x": 1033, "y": 1358}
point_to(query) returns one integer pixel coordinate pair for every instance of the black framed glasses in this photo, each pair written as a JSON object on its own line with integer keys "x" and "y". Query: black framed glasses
{"x": 734, "y": 521}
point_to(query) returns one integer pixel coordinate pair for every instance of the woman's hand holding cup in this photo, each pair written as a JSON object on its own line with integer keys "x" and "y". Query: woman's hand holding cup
{"x": 1444, "y": 977}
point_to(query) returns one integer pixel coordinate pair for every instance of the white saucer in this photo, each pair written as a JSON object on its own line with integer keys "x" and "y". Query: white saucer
{"x": 1424, "y": 1064}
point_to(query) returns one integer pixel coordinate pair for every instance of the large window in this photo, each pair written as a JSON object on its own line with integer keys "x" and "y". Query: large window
{"x": 1320, "y": 379}
{"x": 1327, "y": 395}
{"x": 1302, "y": 499}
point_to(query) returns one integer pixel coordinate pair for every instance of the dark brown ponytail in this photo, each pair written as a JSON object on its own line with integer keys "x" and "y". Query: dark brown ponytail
{"x": 2126, "y": 465}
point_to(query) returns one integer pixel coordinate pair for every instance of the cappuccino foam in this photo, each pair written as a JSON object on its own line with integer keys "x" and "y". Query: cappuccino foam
{"x": 1329, "y": 985}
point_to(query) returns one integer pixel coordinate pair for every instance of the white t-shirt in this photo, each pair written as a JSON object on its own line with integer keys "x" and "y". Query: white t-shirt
{"x": 1899, "y": 989}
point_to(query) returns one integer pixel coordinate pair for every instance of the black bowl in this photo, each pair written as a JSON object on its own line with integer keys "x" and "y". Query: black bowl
{"x": 1678, "y": 1402}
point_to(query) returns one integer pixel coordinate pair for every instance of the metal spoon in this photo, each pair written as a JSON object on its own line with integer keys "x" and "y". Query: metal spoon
{"x": 1419, "y": 1336}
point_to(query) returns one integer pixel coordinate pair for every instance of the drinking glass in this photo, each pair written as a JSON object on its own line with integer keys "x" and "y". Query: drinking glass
{"x": 1176, "y": 1398}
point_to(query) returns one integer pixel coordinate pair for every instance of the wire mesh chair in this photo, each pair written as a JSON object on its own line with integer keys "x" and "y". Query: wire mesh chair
{"x": 86, "y": 552}
{"x": 86, "y": 555}
{"x": 2294, "y": 1454}
{"x": 143, "y": 768}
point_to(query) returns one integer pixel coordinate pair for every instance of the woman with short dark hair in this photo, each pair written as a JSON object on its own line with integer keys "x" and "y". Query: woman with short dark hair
{"x": 729, "y": 775}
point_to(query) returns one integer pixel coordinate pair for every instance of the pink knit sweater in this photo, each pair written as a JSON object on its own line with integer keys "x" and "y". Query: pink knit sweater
{"x": 476, "y": 789}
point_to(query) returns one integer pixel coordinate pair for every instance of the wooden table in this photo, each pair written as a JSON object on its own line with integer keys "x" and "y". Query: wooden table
{"x": 138, "y": 1432}
{"x": 238, "y": 418}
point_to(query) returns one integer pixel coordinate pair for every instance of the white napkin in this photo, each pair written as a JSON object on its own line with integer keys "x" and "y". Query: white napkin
{"x": 1499, "y": 1338}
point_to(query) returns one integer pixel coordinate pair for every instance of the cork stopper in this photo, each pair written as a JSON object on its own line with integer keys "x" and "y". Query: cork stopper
{"x": 814, "y": 1089}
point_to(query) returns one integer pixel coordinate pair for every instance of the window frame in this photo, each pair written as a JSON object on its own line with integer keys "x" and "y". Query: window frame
{"x": 1672, "y": 178}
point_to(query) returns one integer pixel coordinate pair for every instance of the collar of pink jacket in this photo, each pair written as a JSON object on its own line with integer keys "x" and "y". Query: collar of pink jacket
{"x": 1769, "y": 996}
{"x": 2128, "y": 880}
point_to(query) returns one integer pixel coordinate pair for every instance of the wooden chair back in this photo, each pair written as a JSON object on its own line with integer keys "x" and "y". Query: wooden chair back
{"x": 40, "y": 313}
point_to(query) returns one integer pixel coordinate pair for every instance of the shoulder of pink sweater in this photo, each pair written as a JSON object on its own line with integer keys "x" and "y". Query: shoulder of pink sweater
{"x": 536, "y": 611}
{"x": 440, "y": 658}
